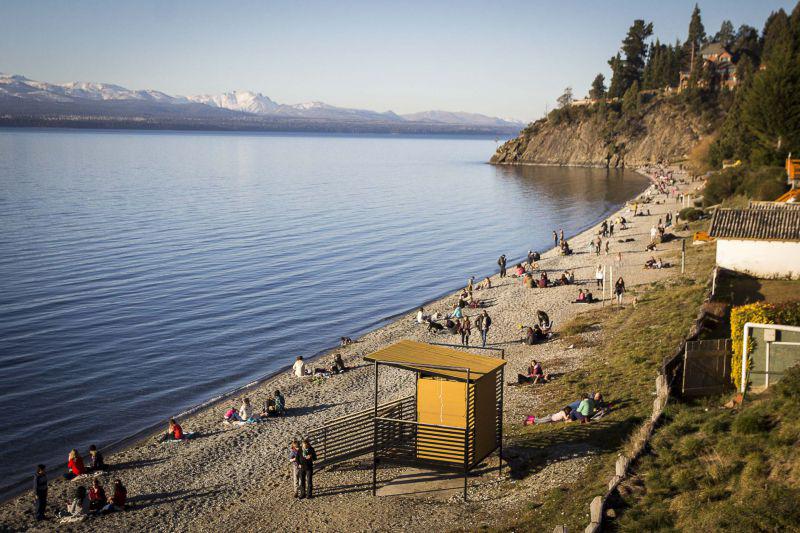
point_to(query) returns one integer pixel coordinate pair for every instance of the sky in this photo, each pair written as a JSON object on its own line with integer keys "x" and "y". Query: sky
{"x": 506, "y": 59}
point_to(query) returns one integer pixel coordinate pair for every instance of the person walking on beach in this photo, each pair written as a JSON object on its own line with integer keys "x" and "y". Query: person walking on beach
{"x": 483, "y": 322}
{"x": 40, "y": 491}
{"x": 598, "y": 244}
{"x": 465, "y": 329}
{"x": 294, "y": 466}
{"x": 599, "y": 275}
{"x": 531, "y": 259}
{"x": 555, "y": 239}
{"x": 619, "y": 289}
{"x": 502, "y": 263}
{"x": 307, "y": 458}
{"x": 607, "y": 241}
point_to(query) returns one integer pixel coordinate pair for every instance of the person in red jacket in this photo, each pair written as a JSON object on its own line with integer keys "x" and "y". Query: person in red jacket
{"x": 75, "y": 466}
{"x": 175, "y": 431}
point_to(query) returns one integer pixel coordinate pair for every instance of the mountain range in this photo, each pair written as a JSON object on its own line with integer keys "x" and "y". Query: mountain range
{"x": 85, "y": 104}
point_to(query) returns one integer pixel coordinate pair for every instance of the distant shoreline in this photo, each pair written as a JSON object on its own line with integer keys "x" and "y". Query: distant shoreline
{"x": 257, "y": 125}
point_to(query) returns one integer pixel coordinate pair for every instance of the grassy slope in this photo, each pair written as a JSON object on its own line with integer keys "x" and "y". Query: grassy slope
{"x": 712, "y": 469}
{"x": 624, "y": 367}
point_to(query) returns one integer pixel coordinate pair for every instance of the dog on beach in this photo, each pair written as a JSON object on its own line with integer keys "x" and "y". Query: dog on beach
{"x": 434, "y": 326}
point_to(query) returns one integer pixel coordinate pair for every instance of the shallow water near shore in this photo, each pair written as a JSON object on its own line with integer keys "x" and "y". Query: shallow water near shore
{"x": 142, "y": 273}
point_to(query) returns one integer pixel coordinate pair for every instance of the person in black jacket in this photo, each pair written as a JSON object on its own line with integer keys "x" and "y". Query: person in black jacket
{"x": 483, "y": 322}
{"x": 502, "y": 263}
{"x": 40, "y": 490}
{"x": 96, "y": 462}
{"x": 307, "y": 458}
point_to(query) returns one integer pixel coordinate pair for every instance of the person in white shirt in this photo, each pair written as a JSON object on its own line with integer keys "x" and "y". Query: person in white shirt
{"x": 299, "y": 367}
{"x": 420, "y": 316}
{"x": 599, "y": 275}
{"x": 564, "y": 415}
{"x": 653, "y": 233}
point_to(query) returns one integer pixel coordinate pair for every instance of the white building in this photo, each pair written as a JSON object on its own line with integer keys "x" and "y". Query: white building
{"x": 763, "y": 241}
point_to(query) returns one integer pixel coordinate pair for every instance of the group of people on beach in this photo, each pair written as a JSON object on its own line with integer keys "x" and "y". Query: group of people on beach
{"x": 85, "y": 502}
{"x": 589, "y": 407}
{"x": 246, "y": 414}
{"x": 336, "y": 366}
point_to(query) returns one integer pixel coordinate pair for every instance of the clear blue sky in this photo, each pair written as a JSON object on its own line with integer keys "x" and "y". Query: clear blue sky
{"x": 499, "y": 58}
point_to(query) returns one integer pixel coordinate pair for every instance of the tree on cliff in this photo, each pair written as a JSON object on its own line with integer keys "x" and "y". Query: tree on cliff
{"x": 696, "y": 37}
{"x": 771, "y": 109}
{"x": 630, "y": 102}
{"x": 634, "y": 47}
{"x": 565, "y": 99}
{"x": 598, "y": 89}
{"x": 777, "y": 35}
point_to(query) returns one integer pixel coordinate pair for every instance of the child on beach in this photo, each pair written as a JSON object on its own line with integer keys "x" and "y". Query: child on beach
{"x": 294, "y": 466}
{"x": 75, "y": 466}
{"x": 563, "y": 415}
{"x": 246, "y": 412}
{"x": 174, "y": 432}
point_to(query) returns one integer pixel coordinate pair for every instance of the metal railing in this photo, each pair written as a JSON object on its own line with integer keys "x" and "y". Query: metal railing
{"x": 352, "y": 435}
{"x": 401, "y": 441}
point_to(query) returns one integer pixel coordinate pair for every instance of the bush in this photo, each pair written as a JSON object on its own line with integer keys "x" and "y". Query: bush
{"x": 762, "y": 183}
{"x": 690, "y": 214}
{"x": 751, "y": 422}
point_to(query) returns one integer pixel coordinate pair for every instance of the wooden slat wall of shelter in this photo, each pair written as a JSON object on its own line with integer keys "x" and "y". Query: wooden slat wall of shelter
{"x": 706, "y": 367}
{"x": 485, "y": 409}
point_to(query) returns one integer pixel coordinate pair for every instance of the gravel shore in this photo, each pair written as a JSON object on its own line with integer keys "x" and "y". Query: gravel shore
{"x": 233, "y": 477}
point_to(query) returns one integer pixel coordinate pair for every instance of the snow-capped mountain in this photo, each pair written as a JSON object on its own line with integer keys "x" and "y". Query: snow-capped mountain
{"x": 246, "y": 101}
{"x": 22, "y": 96}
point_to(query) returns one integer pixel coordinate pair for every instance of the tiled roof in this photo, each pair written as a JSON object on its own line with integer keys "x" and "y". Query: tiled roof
{"x": 773, "y": 205}
{"x": 758, "y": 224}
{"x": 713, "y": 48}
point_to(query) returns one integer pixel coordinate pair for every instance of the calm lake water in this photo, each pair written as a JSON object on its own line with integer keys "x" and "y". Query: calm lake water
{"x": 143, "y": 273}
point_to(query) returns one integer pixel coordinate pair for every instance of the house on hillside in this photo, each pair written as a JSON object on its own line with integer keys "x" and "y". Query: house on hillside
{"x": 762, "y": 241}
{"x": 720, "y": 62}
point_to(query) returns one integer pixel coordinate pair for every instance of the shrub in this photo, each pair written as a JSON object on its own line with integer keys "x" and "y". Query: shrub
{"x": 787, "y": 314}
{"x": 762, "y": 183}
{"x": 690, "y": 214}
{"x": 750, "y": 422}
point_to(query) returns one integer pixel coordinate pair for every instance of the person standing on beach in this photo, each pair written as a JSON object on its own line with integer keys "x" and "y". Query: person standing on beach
{"x": 40, "y": 490}
{"x": 307, "y": 458}
{"x": 619, "y": 289}
{"x": 607, "y": 241}
{"x": 599, "y": 275}
{"x": 562, "y": 235}
{"x": 555, "y": 239}
{"x": 465, "y": 329}
{"x": 294, "y": 466}
{"x": 483, "y": 322}
{"x": 502, "y": 263}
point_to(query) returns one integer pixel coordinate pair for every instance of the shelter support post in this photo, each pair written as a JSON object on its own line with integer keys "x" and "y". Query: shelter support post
{"x": 466, "y": 436}
{"x": 375, "y": 437}
{"x": 500, "y": 437}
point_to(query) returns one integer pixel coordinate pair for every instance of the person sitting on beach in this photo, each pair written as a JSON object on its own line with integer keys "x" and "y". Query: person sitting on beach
{"x": 581, "y": 296}
{"x": 345, "y": 341}
{"x": 520, "y": 269}
{"x": 451, "y": 326}
{"x": 246, "y": 412}
{"x": 650, "y": 263}
{"x": 543, "y": 281}
{"x": 589, "y": 297}
{"x": 118, "y": 498}
{"x": 543, "y": 319}
{"x": 585, "y": 409}
{"x": 96, "y": 462}
{"x": 299, "y": 367}
{"x": 97, "y": 496}
{"x": 563, "y": 415}
{"x": 527, "y": 377}
{"x": 538, "y": 374}
{"x": 527, "y": 281}
{"x": 231, "y": 415}
{"x": 338, "y": 364}
{"x": 278, "y": 404}
{"x": 75, "y": 466}
{"x": 175, "y": 432}
{"x": 485, "y": 284}
{"x": 457, "y": 312}
{"x": 563, "y": 280}
{"x": 78, "y": 508}
{"x": 530, "y": 336}
{"x": 421, "y": 316}
{"x": 565, "y": 249}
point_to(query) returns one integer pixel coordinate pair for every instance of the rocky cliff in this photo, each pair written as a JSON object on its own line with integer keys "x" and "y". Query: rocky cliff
{"x": 662, "y": 129}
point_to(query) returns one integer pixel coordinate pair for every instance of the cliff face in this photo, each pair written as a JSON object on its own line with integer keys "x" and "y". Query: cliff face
{"x": 664, "y": 130}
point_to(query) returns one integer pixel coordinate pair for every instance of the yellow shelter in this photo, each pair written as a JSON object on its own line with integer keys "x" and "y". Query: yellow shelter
{"x": 457, "y": 420}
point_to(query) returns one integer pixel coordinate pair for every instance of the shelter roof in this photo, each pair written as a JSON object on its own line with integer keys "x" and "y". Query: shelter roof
{"x": 436, "y": 360}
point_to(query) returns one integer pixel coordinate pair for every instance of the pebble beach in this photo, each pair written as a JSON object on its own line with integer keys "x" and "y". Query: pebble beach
{"x": 236, "y": 477}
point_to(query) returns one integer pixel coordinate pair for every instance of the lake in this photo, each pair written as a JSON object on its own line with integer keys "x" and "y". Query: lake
{"x": 143, "y": 273}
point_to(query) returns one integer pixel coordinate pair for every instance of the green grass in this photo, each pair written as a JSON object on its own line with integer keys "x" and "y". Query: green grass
{"x": 713, "y": 469}
{"x": 623, "y": 365}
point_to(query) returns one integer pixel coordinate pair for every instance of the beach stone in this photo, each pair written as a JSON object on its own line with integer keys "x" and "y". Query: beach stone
{"x": 613, "y": 481}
